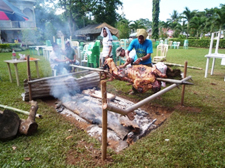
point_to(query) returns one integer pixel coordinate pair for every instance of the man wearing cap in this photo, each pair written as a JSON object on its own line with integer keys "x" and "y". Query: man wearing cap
{"x": 129, "y": 59}
{"x": 143, "y": 48}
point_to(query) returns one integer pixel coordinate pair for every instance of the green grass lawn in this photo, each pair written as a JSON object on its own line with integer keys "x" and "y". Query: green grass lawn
{"x": 196, "y": 133}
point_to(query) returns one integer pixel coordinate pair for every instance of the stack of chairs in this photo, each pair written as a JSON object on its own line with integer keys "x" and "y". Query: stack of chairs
{"x": 185, "y": 44}
{"x": 161, "y": 53}
{"x": 90, "y": 54}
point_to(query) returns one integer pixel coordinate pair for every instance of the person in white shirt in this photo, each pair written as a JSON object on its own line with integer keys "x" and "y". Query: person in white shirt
{"x": 107, "y": 44}
{"x": 55, "y": 61}
{"x": 129, "y": 58}
{"x": 107, "y": 47}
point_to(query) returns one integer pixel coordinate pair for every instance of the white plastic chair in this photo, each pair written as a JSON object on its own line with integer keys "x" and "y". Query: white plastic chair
{"x": 161, "y": 53}
{"x": 84, "y": 55}
{"x": 170, "y": 44}
{"x": 185, "y": 44}
{"x": 166, "y": 41}
{"x": 178, "y": 44}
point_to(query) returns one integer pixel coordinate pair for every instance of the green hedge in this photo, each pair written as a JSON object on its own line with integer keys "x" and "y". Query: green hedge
{"x": 202, "y": 43}
{"x": 10, "y": 46}
{"x": 4, "y": 48}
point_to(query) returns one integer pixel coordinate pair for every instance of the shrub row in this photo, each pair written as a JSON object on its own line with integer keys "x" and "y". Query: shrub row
{"x": 8, "y": 47}
{"x": 203, "y": 43}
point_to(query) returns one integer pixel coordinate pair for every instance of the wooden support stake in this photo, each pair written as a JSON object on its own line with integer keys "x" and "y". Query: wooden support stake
{"x": 29, "y": 78}
{"x": 104, "y": 120}
{"x": 183, "y": 87}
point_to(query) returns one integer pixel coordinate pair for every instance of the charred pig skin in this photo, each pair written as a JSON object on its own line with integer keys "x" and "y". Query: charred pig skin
{"x": 142, "y": 77}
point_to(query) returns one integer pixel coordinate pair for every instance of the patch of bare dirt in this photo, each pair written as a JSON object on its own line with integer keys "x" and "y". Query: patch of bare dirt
{"x": 93, "y": 156}
{"x": 188, "y": 109}
{"x": 89, "y": 154}
{"x": 159, "y": 113}
{"x": 81, "y": 125}
{"x": 50, "y": 101}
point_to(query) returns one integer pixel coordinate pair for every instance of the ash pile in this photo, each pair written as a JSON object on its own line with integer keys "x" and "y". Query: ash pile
{"x": 86, "y": 110}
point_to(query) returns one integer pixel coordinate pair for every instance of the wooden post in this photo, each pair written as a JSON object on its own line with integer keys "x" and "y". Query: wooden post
{"x": 62, "y": 43}
{"x": 29, "y": 78}
{"x": 183, "y": 87}
{"x": 104, "y": 120}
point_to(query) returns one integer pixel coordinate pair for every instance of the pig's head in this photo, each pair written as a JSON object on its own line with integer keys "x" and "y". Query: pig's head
{"x": 109, "y": 63}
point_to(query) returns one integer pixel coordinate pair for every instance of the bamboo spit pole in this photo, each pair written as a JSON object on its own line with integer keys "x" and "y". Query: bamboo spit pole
{"x": 18, "y": 110}
{"x": 29, "y": 78}
{"x": 106, "y": 106}
{"x": 179, "y": 65}
{"x": 160, "y": 79}
{"x": 55, "y": 77}
{"x": 104, "y": 120}
{"x": 183, "y": 87}
{"x": 89, "y": 68}
{"x": 141, "y": 103}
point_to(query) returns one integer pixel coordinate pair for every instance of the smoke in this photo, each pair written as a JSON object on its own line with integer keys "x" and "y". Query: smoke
{"x": 64, "y": 87}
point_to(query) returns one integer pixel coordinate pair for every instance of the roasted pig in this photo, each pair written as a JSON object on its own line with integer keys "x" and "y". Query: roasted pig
{"x": 142, "y": 77}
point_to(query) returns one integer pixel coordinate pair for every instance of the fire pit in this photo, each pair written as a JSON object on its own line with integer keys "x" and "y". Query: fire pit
{"x": 121, "y": 132}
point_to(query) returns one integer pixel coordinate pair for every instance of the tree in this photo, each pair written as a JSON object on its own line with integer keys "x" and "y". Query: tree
{"x": 123, "y": 26}
{"x": 75, "y": 10}
{"x": 198, "y": 23}
{"x": 155, "y": 19}
{"x": 219, "y": 21}
{"x": 215, "y": 18}
{"x": 30, "y": 36}
{"x": 45, "y": 16}
{"x": 50, "y": 30}
{"x": 146, "y": 22}
{"x": 174, "y": 16}
{"x": 136, "y": 25}
{"x": 188, "y": 15}
{"x": 105, "y": 11}
{"x": 166, "y": 25}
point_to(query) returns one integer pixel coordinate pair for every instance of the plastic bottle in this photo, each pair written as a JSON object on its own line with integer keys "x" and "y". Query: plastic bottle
{"x": 13, "y": 55}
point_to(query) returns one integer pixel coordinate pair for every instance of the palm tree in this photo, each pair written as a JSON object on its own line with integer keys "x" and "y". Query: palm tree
{"x": 174, "y": 16}
{"x": 210, "y": 15}
{"x": 165, "y": 25}
{"x": 123, "y": 26}
{"x": 198, "y": 23}
{"x": 188, "y": 15}
{"x": 219, "y": 18}
{"x": 179, "y": 28}
{"x": 136, "y": 25}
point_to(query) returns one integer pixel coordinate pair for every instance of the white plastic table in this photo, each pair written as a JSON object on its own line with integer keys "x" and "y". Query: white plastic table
{"x": 15, "y": 62}
{"x": 213, "y": 56}
{"x": 47, "y": 51}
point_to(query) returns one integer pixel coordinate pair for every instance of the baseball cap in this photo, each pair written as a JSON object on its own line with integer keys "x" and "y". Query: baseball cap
{"x": 118, "y": 51}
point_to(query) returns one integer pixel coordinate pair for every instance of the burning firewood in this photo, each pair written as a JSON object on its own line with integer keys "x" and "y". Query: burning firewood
{"x": 98, "y": 94}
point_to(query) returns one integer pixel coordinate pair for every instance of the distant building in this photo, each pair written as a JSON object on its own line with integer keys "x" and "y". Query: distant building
{"x": 91, "y": 32}
{"x": 11, "y": 30}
